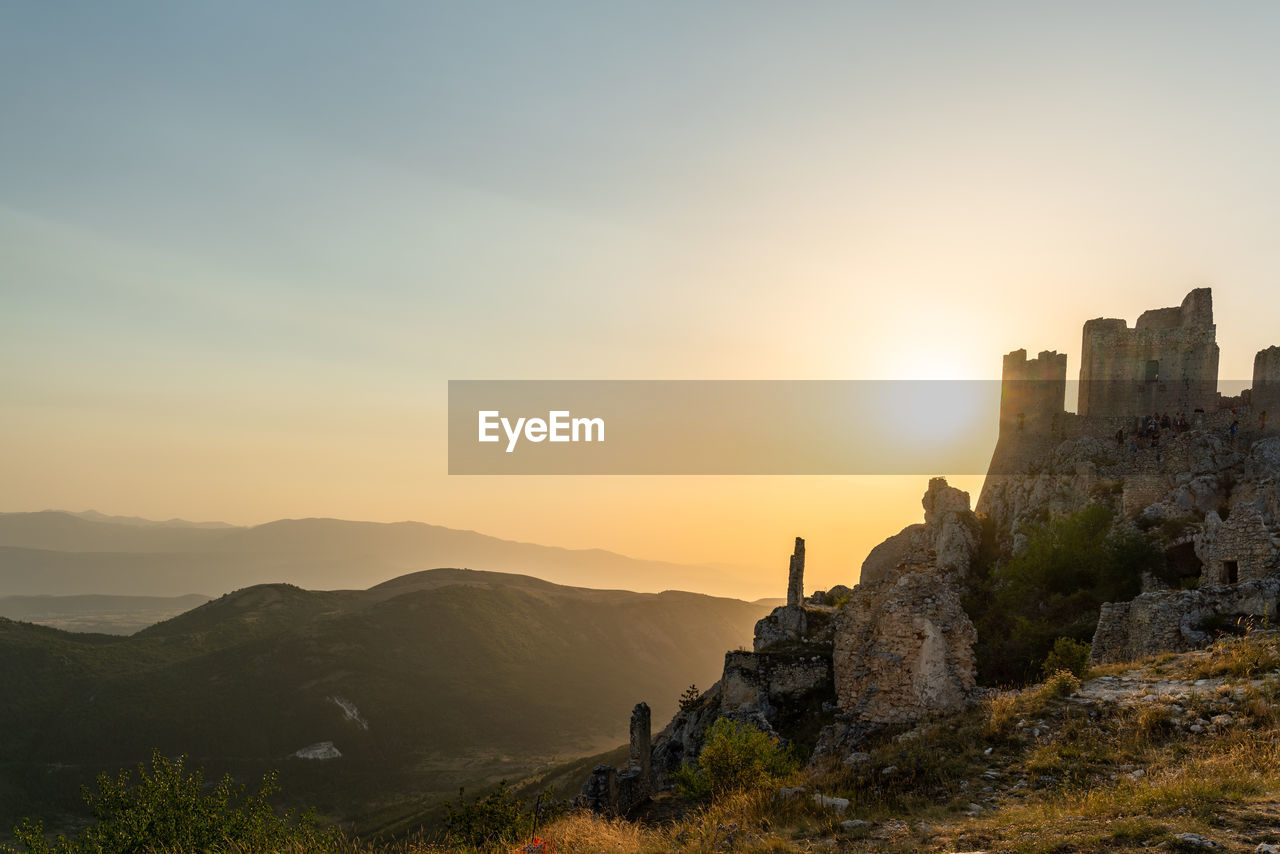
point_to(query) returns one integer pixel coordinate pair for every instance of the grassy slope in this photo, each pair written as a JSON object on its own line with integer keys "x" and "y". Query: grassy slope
{"x": 461, "y": 683}
{"x": 1137, "y": 757}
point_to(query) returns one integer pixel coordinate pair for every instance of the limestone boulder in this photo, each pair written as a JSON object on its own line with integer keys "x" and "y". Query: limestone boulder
{"x": 903, "y": 650}
{"x": 947, "y": 540}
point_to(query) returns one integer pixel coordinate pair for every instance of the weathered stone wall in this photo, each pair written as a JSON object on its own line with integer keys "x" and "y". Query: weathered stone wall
{"x": 903, "y": 650}
{"x": 615, "y": 792}
{"x": 795, "y": 575}
{"x": 1167, "y": 363}
{"x": 1239, "y": 549}
{"x": 790, "y": 627}
{"x": 1170, "y": 622}
{"x": 758, "y": 680}
{"x": 1032, "y": 391}
{"x": 1265, "y": 394}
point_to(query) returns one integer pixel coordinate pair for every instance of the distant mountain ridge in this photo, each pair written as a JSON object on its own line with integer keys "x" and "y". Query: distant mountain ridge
{"x": 422, "y": 683}
{"x": 95, "y": 516}
{"x": 54, "y": 552}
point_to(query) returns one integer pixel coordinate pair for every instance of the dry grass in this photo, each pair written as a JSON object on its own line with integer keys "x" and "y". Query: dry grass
{"x": 587, "y": 833}
{"x": 1241, "y": 656}
{"x": 1060, "y": 776}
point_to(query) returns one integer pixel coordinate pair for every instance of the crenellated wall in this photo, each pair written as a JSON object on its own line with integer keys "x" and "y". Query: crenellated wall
{"x": 1032, "y": 391}
{"x": 1168, "y": 362}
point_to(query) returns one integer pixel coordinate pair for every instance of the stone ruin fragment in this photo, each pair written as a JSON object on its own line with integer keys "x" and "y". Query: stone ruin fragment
{"x": 893, "y": 649}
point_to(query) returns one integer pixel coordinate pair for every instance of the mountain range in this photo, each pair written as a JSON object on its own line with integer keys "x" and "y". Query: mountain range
{"x": 60, "y": 553}
{"x": 373, "y": 704}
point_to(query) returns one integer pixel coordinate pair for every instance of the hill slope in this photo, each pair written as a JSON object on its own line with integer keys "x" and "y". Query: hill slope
{"x": 422, "y": 684}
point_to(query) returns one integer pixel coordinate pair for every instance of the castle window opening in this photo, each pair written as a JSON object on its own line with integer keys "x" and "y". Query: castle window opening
{"x": 1230, "y": 571}
{"x": 1153, "y": 370}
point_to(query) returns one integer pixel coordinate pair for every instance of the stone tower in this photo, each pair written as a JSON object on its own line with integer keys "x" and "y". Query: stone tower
{"x": 1032, "y": 391}
{"x": 795, "y": 578}
{"x": 1168, "y": 362}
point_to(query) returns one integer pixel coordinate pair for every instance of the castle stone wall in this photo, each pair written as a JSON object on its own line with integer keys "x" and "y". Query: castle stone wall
{"x": 1171, "y": 622}
{"x": 1265, "y": 394}
{"x": 1168, "y": 362}
{"x": 1032, "y": 391}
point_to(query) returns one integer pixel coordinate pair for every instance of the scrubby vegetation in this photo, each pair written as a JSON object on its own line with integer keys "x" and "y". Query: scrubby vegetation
{"x": 170, "y": 809}
{"x": 1150, "y": 755}
{"x": 496, "y": 817}
{"x": 1053, "y": 589}
{"x": 737, "y": 757}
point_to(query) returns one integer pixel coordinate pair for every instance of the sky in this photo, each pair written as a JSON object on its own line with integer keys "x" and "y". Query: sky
{"x": 244, "y": 246}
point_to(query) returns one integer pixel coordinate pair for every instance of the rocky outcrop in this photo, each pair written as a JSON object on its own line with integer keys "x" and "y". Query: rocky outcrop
{"x": 615, "y": 792}
{"x": 903, "y": 645}
{"x": 682, "y": 739}
{"x": 801, "y": 624}
{"x": 1177, "y": 622}
{"x": 946, "y": 541}
{"x": 783, "y": 686}
{"x": 903, "y": 650}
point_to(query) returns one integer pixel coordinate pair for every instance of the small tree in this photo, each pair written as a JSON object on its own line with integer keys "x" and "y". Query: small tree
{"x": 496, "y": 817}
{"x": 168, "y": 809}
{"x": 689, "y": 698}
{"x": 1067, "y": 654}
{"x": 735, "y": 757}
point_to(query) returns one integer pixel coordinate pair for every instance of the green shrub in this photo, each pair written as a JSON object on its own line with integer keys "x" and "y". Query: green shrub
{"x": 495, "y": 817}
{"x": 736, "y": 757}
{"x": 1061, "y": 683}
{"x": 1067, "y": 654}
{"x": 167, "y": 809}
{"x": 1054, "y": 588}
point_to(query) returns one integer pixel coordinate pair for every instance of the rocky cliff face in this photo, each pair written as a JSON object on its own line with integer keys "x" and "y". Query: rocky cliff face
{"x": 904, "y": 650}
{"x": 1211, "y": 501}
{"x": 827, "y": 669}
{"x": 944, "y": 544}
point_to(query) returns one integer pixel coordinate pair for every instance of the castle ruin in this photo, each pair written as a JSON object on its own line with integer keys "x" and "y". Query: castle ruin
{"x": 1168, "y": 361}
{"x": 828, "y": 670}
{"x": 1152, "y": 425}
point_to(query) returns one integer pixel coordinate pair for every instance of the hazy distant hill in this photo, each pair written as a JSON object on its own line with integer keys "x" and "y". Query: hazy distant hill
{"x": 95, "y": 516}
{"x": 423, "y": 683}
{"x": 115, "y": 615}
{"x": 52, "y": 552}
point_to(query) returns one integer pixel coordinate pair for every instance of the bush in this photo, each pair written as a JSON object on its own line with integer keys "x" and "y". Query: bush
{"x": 1054, "y": 588}
{"x": 736, "y": 757}
{"x": 1061, "y": 683}
{"x": 495, "y": 817}
{"x": 168, "y": 809}
{"x": 1067, "y": 654}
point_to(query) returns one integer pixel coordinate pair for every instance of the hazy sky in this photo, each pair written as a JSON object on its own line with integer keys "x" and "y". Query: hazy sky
{"x": 243, "y": 246}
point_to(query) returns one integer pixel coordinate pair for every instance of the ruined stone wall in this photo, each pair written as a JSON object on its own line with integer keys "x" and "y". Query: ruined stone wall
{"x": 795, "y": 575}
{"x": 1168, "y": 362}
{"x": 1032, "y": 391}
{"x": 1265, "y": 394}
{"x": 757, "y": 680}
{"x": 615, "y": 792}
{"x": 1239, "y": 549}
{"x": 1171, "y": 622}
